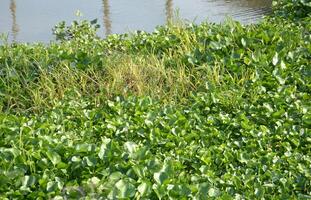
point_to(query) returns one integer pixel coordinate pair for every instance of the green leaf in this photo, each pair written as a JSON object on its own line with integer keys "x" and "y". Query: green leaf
{"x": 243, "y": 42}
{"x": 213, "y": 192}
{"x": 160, "y": 190}
{"x": 90, "y": 161}
{"x": 139, "y": 171}
{"x": 105, "y": 149}
{"x": 160, "y": 177}
{"x": 115, "y": 176}
{"x": 131, "y": 148}
{"x": 54, "y": 157}
{"x": 59, "y": 183}
{"x": 126, "y": 189}
{"x": 247, "y": 60}
{"x": 75, "y": 159}
{"x": 275, "y": 59}
{"x": 244, "y": 157}
{"x": 51, "y": 186}
{"x": 307, "y": 120}
{"x": 84, "y": 148}
{"x": 216, "y": 45}
{"x": 283, "y": 65}
{"x": 144, "y": 188}
{"x": 94, "y": 181}
{"x": 62, "y": 165}
{"x": 28, "y": 181}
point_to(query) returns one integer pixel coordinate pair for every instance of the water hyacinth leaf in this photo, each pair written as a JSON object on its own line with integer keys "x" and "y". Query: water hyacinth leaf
{"x": 105, "y": 149}
{"x": 203, "y": 189}
{"x": 216, "y": 45}
{"x": 126, "y": 189}
{"x": 94, "y": 181}
{"x": 275, "y": 59}
{"x": 54, "y": 157}
{"x": 259, "y": 192}
{"x": 4, "y": 180}
{"x": 141, "y": 153}
{"x": 243, "y": 41}
{"x": 84, "y": 148}
{"x": 178, "y": 190}
{"x": 90, "y": 161}
{"x": 59, "y": 182}
{"x": 75, "y": 159}
{"x": 247, "y": 60}
{"x": 148, "y": 122}
{"x": 160, "y": 177}
{"x": 159, "y": 190}
{"x": 279, "y": 113}
{"x": 62, "y": 165}
{"x": 209, "y": 111}
{"x": 139, "y": 171}
{"x": 131, "y": 148}
{"x": 213, "y": 192}
{"x": 144, "y": 188}
{"x": 244, "y": 157}
{"x": 307, "y": 119}
{"x": 115, "y": 176}
{"x": 28, "y": 181}
{"x": 51, "y": 186}
{"x": 283, "y": 65}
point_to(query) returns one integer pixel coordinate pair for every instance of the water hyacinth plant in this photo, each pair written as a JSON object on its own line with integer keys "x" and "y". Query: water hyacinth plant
{"x": 209, "y": 111}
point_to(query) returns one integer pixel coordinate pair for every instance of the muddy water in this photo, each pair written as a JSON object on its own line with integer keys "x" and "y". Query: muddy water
{"x": 32, "y": 20}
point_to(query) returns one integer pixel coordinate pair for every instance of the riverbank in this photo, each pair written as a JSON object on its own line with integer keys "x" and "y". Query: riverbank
{"x": 188, "y": 111}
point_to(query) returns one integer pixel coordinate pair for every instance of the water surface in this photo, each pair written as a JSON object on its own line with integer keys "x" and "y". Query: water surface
{"x": 32, "y": 20}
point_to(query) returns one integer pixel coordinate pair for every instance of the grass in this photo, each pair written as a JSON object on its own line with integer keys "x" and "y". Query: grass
{"x": 169, "y": 65}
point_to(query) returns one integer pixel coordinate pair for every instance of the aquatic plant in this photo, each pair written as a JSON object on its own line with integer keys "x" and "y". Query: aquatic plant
{"x": 293, "y": 8}
{"x": 209, "y": 111}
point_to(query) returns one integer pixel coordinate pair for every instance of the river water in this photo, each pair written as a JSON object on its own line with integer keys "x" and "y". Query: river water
{"x": 33, "y": 20}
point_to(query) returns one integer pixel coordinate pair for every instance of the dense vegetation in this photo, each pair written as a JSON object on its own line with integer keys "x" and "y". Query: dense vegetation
{"x": 209, "y": 111}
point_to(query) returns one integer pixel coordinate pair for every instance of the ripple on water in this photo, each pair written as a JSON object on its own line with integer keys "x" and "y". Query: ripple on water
{"x": 32, "y": 20}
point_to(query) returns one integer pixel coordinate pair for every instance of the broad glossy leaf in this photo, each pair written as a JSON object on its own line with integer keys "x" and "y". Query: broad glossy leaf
{"x": 29, "y": 181}
{"x": 105, "y": 149}
{"x": 144, "y": 188}
{"x": 213, "y": 192}
{"x": 275, "y": 59}
{"x": 51, "y": 186}
{"x": 126, "y": 189}
{"x": 54, "y": 157}
{"x": 160, "y": 177}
